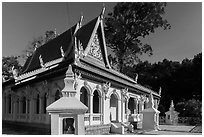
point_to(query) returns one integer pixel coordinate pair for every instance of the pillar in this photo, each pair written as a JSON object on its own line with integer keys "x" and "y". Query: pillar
{"x": 3, "y": 105}
{"x": 119, "y": 110}
{"x": 91, "y": 109}
{"x": 123, "y": 109}
{"x": 32, "y": 109}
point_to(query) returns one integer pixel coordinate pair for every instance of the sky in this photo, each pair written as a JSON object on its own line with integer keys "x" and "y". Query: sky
{"x": 22, "y": 22}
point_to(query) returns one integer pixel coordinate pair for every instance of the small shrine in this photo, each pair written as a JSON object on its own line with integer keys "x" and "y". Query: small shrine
{"x": 150, "y": 116}
{"x": 172, "y": 115}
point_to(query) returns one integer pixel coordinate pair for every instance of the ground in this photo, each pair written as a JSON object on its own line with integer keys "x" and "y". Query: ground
{"x": 165, "y": 130}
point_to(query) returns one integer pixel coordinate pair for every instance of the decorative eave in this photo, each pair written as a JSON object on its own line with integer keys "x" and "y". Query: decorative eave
{"x": 117, "y": 77}
{"x": 31, "y": 75}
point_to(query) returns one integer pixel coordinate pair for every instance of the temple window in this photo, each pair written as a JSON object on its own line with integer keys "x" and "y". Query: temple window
{"x": 18, "y": 106}
{"x": 9, "y": 104}
{"x": 24, "y": 105}
{"x": 96, "y": 102}
{"x": 84, "y": 97}
{"x": 131, "y": 105}
{"x": 138, "y": 108}
{"x": 44, "y": 103}
{"x": 38, "y": 104}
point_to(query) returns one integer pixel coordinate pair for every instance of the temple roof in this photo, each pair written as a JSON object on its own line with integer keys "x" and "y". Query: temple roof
{"x": 51, "y": 50}
{"x": 85, "y": 44}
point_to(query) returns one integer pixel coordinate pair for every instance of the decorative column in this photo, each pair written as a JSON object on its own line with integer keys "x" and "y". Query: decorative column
{"x": 106, "y": 101}
{"x": 3, "y": 106}
{"x": 125, "y": 98}
{"x": 32, "y": 109}
{"x": 119, "y": 110}
{"x": 91, "y": 109}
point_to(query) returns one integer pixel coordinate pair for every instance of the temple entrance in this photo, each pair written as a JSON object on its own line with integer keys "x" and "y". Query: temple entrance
{"x": 113, "y": 108}
{"x": 131, "y": 105}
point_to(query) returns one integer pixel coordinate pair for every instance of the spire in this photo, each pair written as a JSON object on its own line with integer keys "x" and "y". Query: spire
{"x": 62, "y": 52}
{"x": 172, "y": 104}
{"x": 36, "y": 46}
{"x": 41, "y": 62}
{"x": 80, "y": 21}
{"x": 160, "y": 91}
{"x": 102, "y": 12}
{"x": 55, "y": 32}
{"x": 136, "y": 77}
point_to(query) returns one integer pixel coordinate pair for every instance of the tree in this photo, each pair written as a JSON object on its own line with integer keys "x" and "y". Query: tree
{"x": 37, "y": 42}
{"x": 7, "y": 64}
{"x": 127, "y": 24}
{"x": 190, "y": 108}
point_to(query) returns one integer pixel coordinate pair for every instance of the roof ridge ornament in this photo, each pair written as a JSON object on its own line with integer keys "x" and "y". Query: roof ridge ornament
{"x": 14, "y": 72}
{"x": 102, "y": 12}
{"x": 160, "y": 89}
{"x": 136, "y": 77}
{"x": 41, "y": 62}
{"x": 55, "y": 32}
{"x": 80, "y": 20}
{"x": 62, "y": 52}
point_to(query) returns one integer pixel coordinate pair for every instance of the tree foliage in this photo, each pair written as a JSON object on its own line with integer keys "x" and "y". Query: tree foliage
{"x": 179, "y": 81}
{"x": 7, "y": 64}
{"x": 190, "y": 108}
{"x": 127, "y": 24}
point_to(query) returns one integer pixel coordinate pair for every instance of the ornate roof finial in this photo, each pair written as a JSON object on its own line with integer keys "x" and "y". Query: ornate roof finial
{"x": 172, "y": 104}
{"x": 35, "y": 46}
{"x": 41, "y": 61}
{"x": 80, "y": 21}
{"x": 160, "y": 91}
{"x": 102, "y": 12}
{"x": 62, "y": 52}
{"x": 14, "y": 72}
{"x": 136, "y": 77}
{"x": 55, "y": 32}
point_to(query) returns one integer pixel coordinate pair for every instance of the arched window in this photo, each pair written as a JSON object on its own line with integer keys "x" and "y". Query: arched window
{"x": 38, "y": 104}
{"x": 58, "y": 95}
{"x": 9, "y": 104}
{"x": 24, "y": 105}
{"x": 18, "y": 111}
{"x": 84, "y": 97}
{"x": 96, "y": 102}
{"x": 45, "y": 103}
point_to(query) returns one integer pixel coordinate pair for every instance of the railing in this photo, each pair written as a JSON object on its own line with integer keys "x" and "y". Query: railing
{"x": 87, "y": 117}
{"x": 135, "y": 117}
{"x": 162, "y": 119}
{"x": 97, "y": 117}
{"x": 183, "y": 120}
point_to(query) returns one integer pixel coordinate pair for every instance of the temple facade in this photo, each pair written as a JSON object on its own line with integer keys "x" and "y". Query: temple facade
{"x": 111, "y": 97}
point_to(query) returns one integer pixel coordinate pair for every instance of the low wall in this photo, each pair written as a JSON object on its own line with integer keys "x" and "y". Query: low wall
{"x": 97, "y": 129}
{"x": 183, "y": 120}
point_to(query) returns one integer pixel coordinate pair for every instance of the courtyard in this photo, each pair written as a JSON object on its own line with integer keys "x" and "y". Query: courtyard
{"x": 165, "y": 130}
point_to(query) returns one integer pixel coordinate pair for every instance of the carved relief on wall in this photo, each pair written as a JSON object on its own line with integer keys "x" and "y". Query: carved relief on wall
{"x": 95, "y": 49}
{"x": 125, "y": 95}
{"x": 105, "y": 87}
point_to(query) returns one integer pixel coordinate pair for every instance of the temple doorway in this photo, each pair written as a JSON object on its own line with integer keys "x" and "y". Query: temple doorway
{"x": 113, "y": 108}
